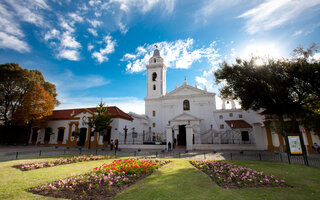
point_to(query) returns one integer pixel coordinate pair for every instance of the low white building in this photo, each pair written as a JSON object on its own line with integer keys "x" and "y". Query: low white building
{"x": 70, "y": 128}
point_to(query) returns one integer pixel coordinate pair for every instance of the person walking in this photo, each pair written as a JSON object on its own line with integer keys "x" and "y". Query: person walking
{"x": 117, "y": 143}
{"x": 111, "y": 145}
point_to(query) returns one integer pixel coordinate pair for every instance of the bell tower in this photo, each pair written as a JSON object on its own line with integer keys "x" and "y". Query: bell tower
{"x": 156, "y": 76}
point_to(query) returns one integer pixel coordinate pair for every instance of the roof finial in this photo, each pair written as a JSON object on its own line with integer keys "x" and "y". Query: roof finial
{"x": 156, "y": 46}
{"x": 185, "y": 81}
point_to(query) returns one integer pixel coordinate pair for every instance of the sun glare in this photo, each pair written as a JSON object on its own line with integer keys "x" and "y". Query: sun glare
{"x": 261, "y": 50}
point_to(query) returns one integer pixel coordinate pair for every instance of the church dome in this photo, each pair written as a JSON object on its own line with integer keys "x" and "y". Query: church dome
{"x": 156, "y": 53}
{"x": 156, "y": 58}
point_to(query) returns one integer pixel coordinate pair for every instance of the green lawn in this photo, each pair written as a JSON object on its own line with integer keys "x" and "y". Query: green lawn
{"x": 176, "y": 180}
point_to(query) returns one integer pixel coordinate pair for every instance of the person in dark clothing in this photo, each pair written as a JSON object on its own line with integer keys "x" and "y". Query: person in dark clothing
{"x": 117, "y": 143}
{"x": 111, "y": 145}
{"x": 169, "y": 146}
{"x": 316, "y": 147}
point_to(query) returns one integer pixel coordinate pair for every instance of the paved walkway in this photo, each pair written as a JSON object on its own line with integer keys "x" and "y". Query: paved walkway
{"x": 8, "y": 152}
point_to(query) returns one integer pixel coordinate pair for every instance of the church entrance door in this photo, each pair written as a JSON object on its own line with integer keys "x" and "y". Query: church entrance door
{"x": 82, "y": 139}
{"x": 182, "y": 136}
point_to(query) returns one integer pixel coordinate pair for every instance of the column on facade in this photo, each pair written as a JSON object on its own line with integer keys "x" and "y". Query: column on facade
{"x": 259, "y": 139}
{"x": 176, "y": 132}
{"x": 189, "y": 134}
{"x": 281, "y": 142}
{"x": 269, "y": 136}
{"x": 309, "y": 138}
{"x": 95, "y": 141}
{"x": 74, "y": 142}
{"x": 88, "y": 137}
{"x": 69, "y": 136}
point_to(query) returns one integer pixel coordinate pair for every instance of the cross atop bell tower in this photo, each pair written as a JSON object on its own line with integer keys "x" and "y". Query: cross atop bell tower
{"x": 156, "y": 75}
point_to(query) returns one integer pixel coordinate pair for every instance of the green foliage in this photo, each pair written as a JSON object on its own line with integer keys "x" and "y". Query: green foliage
{"x": 102, "y": 120}
{"x": 282, "y": 88}
{"x": 15, "y": 82}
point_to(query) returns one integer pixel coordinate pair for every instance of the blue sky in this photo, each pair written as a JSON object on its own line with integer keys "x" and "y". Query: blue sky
{"x": 98, "y": 49}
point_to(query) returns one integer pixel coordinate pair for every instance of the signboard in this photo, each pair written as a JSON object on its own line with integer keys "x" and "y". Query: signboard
{"x": 294, "y": 145}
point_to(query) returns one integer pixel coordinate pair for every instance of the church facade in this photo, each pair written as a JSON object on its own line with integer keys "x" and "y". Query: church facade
{"x": 188, "y": 117}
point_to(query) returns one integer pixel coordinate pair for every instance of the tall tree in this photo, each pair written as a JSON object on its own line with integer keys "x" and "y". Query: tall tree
{"x": 102, "y": 120}
{"x": 15, "y": 82}
{"x": 283, "y": 88}
{"x": 37, "y": 104}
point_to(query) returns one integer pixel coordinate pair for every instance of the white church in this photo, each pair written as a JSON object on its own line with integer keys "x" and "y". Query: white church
{"x": 187, "y": 117}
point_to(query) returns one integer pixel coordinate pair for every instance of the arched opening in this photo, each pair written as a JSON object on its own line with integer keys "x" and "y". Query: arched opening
{"x": 155, "y": 60}
{"x": 60, "y": 134}
{"x": 186, "y": 105}
{"x": 154, "y": 76}
{"x": 34, "y": 135}
{"x": 82, "y": 136}
{"x": 154, "y": 87}
{"x": 47, "y": 134}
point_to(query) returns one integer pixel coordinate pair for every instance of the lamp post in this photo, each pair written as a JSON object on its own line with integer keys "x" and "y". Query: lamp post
{"x": 211, "y": 132}
{"x": 88, "y": 122}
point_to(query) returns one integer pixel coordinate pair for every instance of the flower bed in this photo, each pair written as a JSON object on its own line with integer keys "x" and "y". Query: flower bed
{"x": 61, "y": 161}
{"x": 234, "y": 176}
{"x": 103, "y": 182}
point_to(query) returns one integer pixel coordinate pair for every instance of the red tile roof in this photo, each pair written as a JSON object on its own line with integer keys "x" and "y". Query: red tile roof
{"x": 114, "y": 111}
{"x": 235, "y": 124}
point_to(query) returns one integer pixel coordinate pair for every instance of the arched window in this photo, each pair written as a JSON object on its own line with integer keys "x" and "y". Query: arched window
{"x": 154, "y": 87}
{"x": 155, "y": 60}
{"x": 186, "y": 105}
{"x": 154, "y": 76}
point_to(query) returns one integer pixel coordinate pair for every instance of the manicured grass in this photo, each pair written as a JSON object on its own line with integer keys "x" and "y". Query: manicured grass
{"x": 14, "y": 183}
{"x": 180, "y": 180}
{"x": 176, "y": 180}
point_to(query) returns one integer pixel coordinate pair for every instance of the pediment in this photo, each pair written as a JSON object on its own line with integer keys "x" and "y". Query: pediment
{"x": 185, "y": 117}
{"x": 186, "y": 90}
{"x": 82, "y": 112}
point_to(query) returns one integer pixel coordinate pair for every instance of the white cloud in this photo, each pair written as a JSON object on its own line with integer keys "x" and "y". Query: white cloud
{"x": 211, "y": 7}
{"x": 273, "y": 13}
{"x": 177, "y": 54}
{"x": 94, "y": 2}
{"x": 102, "y": 55}
{"x": 11, "y": 14}
{"x": 68, "y": 41}
{"x": 68, "y": 27}
{"x": 90, "y": 47}
{"x": 97, "y": 14}
{"x": 95, "y": 23}
{"x": 298, "y": 32}
{"x": 29, "y": 11}
{"x": 64, "y": 41}
{"x": 76, "y": 17}
{"x": 69, "y": 54}
{"x": 93, "y": 32}
{"x": 51, "y": 34}
{"x": 13, "y": 42}
{"x": 145, "y": 5}
{"x": 123, "y": 28}
{"x": 207, "y": 79}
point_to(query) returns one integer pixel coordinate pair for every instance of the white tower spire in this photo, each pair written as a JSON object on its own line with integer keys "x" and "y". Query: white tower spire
{"x": 156, "y": 76}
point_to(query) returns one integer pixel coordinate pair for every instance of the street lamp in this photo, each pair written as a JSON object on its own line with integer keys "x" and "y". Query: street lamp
{"x": 88, "y": 122}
